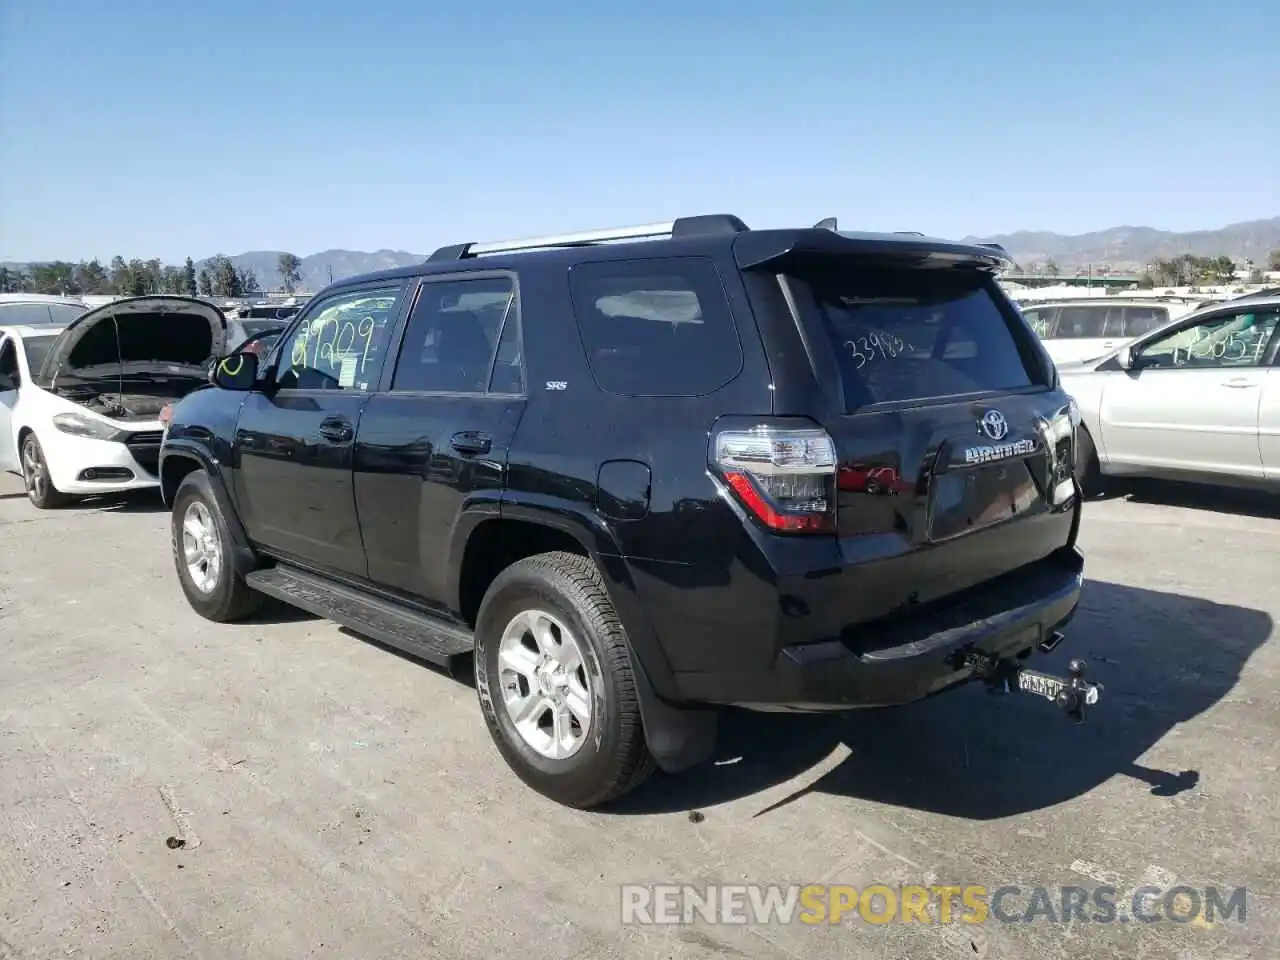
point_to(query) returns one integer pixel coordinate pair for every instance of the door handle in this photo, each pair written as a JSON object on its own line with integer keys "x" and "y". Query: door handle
{"x": 471, "y": 441}
{"x": 1240, "y": 383}
{"x": 336, "y": 430}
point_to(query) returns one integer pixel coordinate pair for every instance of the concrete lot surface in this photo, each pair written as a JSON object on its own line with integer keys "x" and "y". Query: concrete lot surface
{"x": 333, "y": 799}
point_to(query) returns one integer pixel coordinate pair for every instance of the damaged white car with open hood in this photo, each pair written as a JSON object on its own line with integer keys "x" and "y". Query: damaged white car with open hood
{"x": 80, "y": 406}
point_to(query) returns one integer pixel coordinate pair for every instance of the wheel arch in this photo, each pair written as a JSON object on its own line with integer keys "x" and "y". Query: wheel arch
{"x": 177, "y": 462}
{"x": 487, "y": 541}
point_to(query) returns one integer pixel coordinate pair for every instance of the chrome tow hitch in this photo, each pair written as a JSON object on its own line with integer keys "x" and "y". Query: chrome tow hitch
{"x": 1070, "y": 694}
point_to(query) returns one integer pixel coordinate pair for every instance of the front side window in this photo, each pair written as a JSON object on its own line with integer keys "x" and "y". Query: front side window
{"x": 36, "y": 349}
{"x": 656, "y": 328}
{"x": 453, "y": 333}
{"x": 1234, "y": 340}
{"x": 341, "y": 345}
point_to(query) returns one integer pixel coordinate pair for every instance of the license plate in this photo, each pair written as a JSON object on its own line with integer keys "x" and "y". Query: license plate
{"x": 1040, "y": 685}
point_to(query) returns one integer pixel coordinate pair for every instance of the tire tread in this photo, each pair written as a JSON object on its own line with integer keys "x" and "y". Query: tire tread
{"x": 630, "y": 762}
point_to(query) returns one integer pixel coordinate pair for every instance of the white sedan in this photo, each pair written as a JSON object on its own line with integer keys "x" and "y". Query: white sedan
{"x": 80, "y": 406}
{"x": 1197, "y": 399}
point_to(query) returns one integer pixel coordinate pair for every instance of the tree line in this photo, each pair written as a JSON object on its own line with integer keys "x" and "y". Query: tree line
{"x": 218, "y": 277}
{"x": 1187, "y": 270}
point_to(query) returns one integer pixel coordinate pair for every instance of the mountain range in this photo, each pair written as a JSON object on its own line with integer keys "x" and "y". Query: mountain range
{"x": 1132, "y": 248}
{"x": 1121, "y": 248}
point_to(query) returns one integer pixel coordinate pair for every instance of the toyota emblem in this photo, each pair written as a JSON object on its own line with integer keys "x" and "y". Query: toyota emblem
{"x": 994, "y": 425}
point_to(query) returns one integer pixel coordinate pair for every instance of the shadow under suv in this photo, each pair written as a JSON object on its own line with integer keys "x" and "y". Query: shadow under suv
{"x": 640, "y": 473}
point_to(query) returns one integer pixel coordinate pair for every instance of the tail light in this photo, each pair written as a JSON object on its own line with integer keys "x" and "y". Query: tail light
{"x": 784, "y": 477}
{"x": 1061, "y": 434}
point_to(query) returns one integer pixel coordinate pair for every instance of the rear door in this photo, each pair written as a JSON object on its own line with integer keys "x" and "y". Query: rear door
{"x": 433, "y": 442}
{"x": 939, "y": 399}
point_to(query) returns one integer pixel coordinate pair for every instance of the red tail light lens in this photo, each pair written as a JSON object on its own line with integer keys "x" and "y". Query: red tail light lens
{"x": 784, "y": 477}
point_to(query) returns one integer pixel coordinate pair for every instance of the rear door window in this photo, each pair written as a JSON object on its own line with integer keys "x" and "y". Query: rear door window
{"x": 454, "y": 331}
{"x": 1081, "y": 323}
{"x": 904, "y": 334}
{"x": 658, "y": 327}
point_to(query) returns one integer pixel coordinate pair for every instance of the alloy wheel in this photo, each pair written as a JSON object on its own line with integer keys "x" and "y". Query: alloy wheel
{"x": 544, "y": 682}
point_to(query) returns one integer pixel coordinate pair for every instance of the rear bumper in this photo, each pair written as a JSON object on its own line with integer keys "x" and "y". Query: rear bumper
{"x": 898, "y": 662}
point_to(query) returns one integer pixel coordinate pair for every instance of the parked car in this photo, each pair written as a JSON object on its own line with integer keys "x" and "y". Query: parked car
{"x": 1075, "y": 330}
{"x": 79, "y": 405}
{"x": 1198, "y": 400}
{"x": 38, "y": 310}
{"x": 642, "y": 472}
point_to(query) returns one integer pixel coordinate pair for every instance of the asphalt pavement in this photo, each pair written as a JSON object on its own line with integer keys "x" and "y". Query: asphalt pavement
{"x": 174, "y": 788}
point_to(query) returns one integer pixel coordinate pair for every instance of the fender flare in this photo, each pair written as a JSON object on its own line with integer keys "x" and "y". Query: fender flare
{"x": 246, "y": 556}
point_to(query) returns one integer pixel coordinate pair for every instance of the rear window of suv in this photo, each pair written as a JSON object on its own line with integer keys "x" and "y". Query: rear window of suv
{"x": 902, "y": 334}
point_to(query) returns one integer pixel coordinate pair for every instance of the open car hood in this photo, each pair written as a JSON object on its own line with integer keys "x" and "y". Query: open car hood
{"x": 152, "y": 335}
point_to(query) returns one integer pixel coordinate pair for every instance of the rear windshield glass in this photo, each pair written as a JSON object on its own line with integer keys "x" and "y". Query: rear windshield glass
{"x": 912, "y": 334}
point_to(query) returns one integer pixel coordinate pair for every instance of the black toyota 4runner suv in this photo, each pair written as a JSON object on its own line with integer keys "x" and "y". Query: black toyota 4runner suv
{"x": 644, "y": 472}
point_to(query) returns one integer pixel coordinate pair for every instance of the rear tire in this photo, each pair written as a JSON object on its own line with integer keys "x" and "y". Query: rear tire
{"x": 35, "y": 476}
{"x": 1088, "y": 469}
{"x": 205, "y": 555}
{"x": 548, "y": 640}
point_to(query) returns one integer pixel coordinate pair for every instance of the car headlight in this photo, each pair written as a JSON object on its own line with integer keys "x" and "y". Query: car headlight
{"x": 79, "y": 425}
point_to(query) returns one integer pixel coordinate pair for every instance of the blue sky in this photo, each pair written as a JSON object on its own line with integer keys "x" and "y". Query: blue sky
{"x": 191, "y": 128}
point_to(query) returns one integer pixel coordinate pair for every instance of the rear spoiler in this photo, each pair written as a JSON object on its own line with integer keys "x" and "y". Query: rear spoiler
{"x": 771, "y": 249}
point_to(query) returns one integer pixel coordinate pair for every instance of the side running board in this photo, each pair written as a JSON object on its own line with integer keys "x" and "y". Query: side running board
{"x": 417, "y": 634}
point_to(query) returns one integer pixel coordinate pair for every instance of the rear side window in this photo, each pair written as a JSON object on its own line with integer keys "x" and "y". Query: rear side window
{"x": 659, "y": 327}
{"x": 1140, "y": 320}
{"x": 911, "y": 334}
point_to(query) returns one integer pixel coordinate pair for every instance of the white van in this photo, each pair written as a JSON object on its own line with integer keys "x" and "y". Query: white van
{"x": 1074, "y": 330}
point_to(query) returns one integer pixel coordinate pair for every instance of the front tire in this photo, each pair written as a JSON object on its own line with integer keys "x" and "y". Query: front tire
{"x": 204, "y": 555}
{"x": 37, "y": 479}
{"x": 556, "y": 682}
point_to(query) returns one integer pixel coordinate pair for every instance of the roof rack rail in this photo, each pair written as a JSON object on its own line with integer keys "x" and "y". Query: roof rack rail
{"x": 706, "y": 225}
{"x": 908, "y": 233}
{"x": 994, "y": 246}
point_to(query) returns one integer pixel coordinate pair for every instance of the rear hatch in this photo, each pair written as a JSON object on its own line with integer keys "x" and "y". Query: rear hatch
{"x": 953, "y": 451}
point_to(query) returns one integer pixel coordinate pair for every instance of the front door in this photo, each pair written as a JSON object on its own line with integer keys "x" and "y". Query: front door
{"x": 1192, "y": 399}
{"x": 434, "y": 443}
{"x": 296, "y": 438}
{"x": 9, "y": 380}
